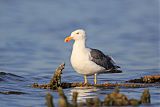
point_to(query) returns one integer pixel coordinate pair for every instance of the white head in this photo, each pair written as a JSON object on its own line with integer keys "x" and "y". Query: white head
{"x": 76, "y": 35}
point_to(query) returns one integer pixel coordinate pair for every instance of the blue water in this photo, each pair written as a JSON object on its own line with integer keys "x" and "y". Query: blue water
{"x": 32, "y": 45}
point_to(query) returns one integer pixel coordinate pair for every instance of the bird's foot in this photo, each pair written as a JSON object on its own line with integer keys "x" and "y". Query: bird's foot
{"x": 95, "y": 79}
{"x": 95, "y": 82}
{"x": 85, "y": 79}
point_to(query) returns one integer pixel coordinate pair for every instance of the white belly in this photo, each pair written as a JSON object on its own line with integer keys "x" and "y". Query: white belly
{"x": 83, "y": 65}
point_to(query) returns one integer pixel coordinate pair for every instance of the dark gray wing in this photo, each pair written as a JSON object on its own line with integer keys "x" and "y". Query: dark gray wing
{"x": 103, "y": 60}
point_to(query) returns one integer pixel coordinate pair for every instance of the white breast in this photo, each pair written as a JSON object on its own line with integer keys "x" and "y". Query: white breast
{"x": 81, "y": 62}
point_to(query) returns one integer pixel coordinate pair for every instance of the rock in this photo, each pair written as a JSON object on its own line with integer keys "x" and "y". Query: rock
{"x": 134, "y": 102}
{"x": 145, "y": 98}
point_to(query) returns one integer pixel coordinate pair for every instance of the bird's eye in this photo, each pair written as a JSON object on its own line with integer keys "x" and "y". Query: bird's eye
{"x": 77, "y": 33}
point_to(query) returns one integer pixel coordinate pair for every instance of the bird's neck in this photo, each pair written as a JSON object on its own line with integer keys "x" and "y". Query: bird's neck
{"x": 79, "y": 44}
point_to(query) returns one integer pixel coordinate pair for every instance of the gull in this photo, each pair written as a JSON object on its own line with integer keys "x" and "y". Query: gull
{"x": 87, "y": 61}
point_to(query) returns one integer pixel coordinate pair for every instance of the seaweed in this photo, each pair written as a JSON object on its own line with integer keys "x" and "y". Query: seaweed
{"x": 55, "y": 82}
{"x": 113, "y": 99}
{"x": 147, "y": 79}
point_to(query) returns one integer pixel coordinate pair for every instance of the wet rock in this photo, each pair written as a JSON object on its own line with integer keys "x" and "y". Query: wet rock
{"x": 134, "y": 102}
{"x": 56, "y": 79}
{"x": 116, "y": 99}
{"x": 145, "y": 98}
{"x": 147, "y": 79}
{"x": 55, "y": 82}
{"x": 113, "y": 99}
{"x": 97, "y": 102}
{"x": 89, "y": 102}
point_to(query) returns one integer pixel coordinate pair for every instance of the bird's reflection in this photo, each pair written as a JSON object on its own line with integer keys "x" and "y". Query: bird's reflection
{"x": 84, "y": 92}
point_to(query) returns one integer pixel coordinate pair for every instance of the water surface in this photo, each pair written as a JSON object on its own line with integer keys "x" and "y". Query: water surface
{"x": 32, "y": 45}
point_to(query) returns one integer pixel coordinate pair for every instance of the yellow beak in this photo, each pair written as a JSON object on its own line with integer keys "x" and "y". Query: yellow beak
{"x": 67, "y": 39}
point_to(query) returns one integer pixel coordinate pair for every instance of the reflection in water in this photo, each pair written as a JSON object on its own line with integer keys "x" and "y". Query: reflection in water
{"x": 84, "y": 92}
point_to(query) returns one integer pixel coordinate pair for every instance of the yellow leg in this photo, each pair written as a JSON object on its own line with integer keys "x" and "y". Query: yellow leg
{"x": 85, "y": 79}
{"x": 95, "y": 78}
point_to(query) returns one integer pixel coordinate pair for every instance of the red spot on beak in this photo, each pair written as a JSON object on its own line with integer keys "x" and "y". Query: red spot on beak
{"x": 67, "y": 39}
